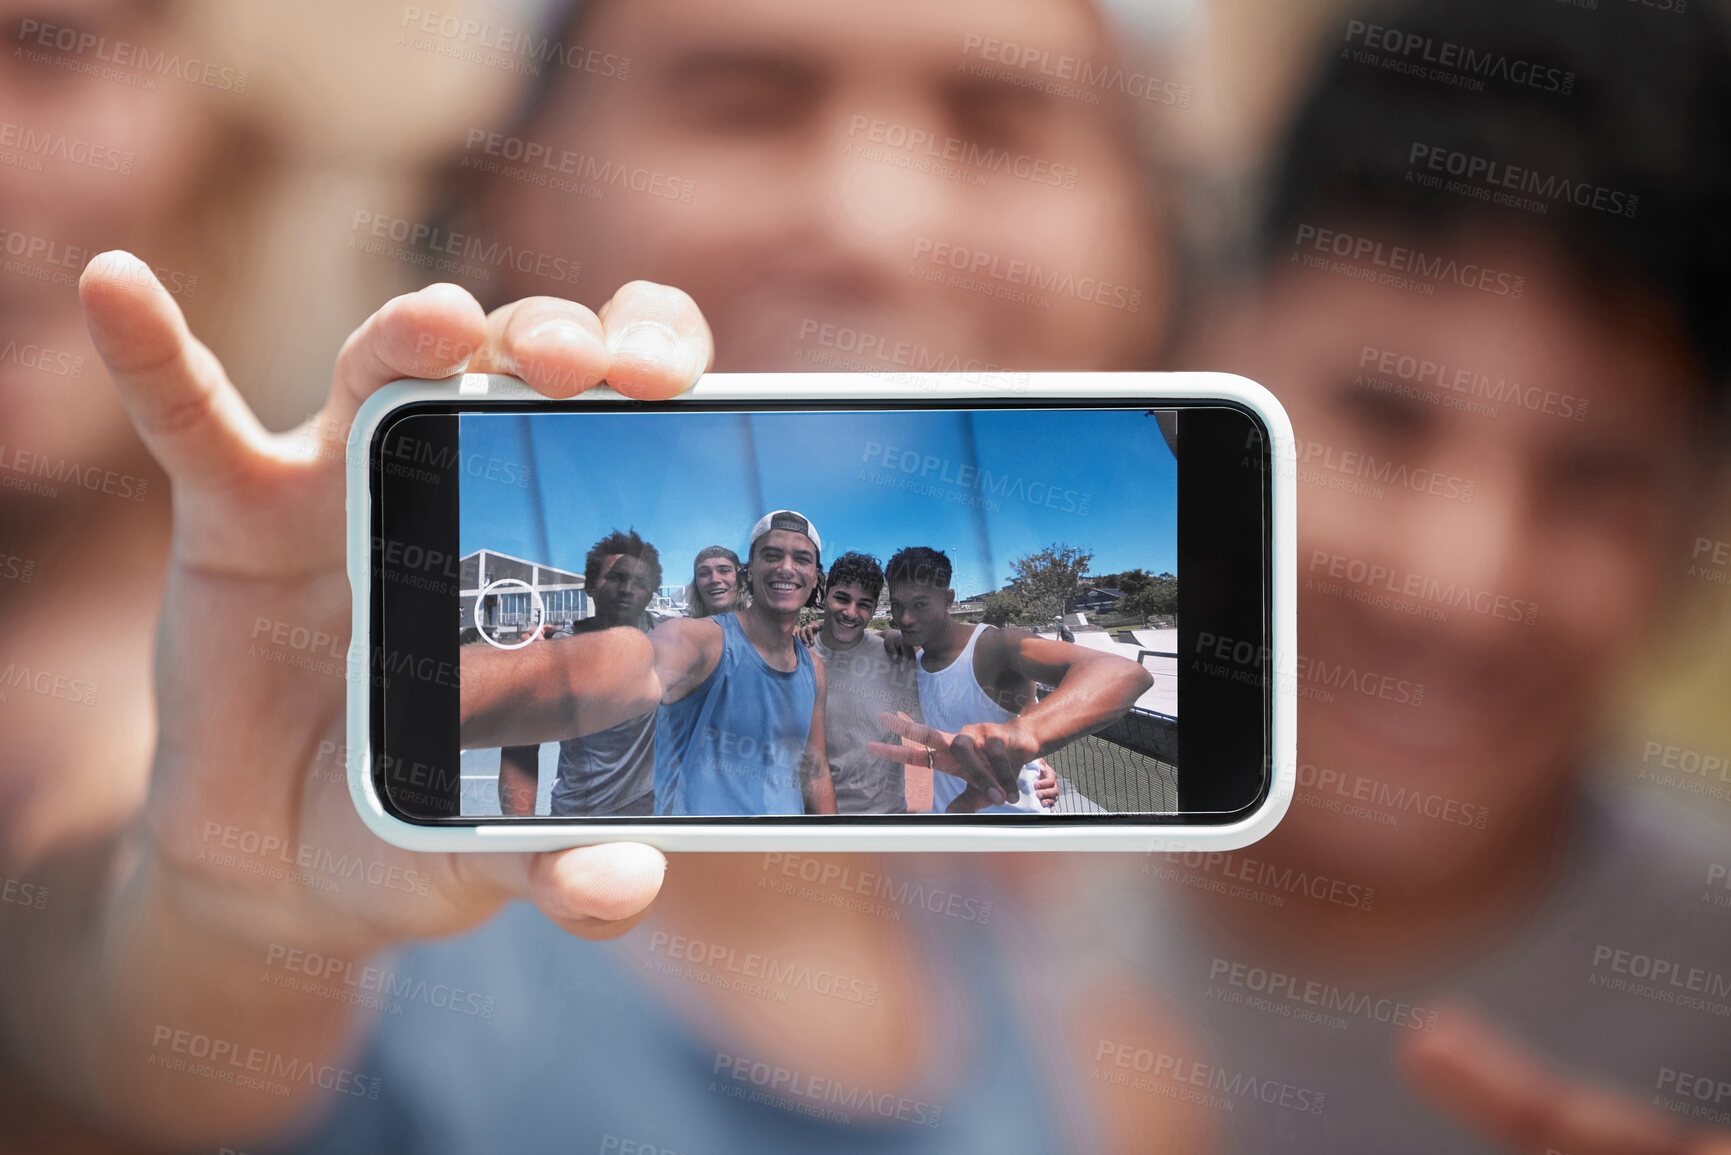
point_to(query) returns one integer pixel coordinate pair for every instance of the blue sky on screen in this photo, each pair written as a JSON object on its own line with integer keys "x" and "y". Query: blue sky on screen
{"x": 985, "y": 488}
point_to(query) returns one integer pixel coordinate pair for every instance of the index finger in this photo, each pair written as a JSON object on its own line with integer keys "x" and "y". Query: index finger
{"x": 915, "y": 731}
{"x": 907, "y": 755}
{"x": 1490, "y": 1082}
{"x": 191, "y": 418}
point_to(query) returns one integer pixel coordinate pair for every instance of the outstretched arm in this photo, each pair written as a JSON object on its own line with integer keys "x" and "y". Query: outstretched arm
{"x": 1489, "y": 1081}
{"x": 1090, "y": 688}
{"x": 226, "y": 863}
{"x": 555, "y": 690}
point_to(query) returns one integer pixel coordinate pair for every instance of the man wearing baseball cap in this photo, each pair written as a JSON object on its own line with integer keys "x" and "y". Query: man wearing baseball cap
{"x": 740, "y": 729}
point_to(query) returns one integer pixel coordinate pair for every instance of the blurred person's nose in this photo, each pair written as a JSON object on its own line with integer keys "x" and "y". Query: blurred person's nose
{"x": 871, "y": 189}
{"x": 1482, "y": 550}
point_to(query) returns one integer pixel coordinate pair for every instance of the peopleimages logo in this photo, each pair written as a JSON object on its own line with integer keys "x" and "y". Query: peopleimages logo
{"x": 1427, "y": 58}
{"x": 1507, "y": 180}
{"x": 427, "y": 245}
{"x": 42, "y": 359}
{"x": 533, "y": 162}
{"x": 815, "y": 1096}
{"x": 1220, "y": 872}
{"x": 1471, "y": 385}
{"x": 230, "y": 1061}
{"x": 1401, "y": 268}
{"x": 958, "y": 151}
{"x": 1068, "y": 76}
{"x": 1378, "y": 584}
{"x": 988, "y": 272}
{"x": 34, "y": 146}
{"x": 1344, "y": 793}
{"x": 752, "y": 970}
{"x": 895, "y": 894}
{"x": 146, "y": 64}
{"x": 33, "y": 472}
{"x": 1144, "y": 1069}
{"x": 331, "y": 976}
{"x": 1292, "y": 996}
{"x": 517, "y": 50}
{"x": 1358, "y": 471}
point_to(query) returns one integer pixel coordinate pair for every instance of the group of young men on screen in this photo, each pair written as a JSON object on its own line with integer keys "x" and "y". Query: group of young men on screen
{"x": 759, "y": 716}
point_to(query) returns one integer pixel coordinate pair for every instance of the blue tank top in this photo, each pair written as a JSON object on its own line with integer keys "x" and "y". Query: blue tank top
{"x": 552, "y": 1045}
{"x": 734, "y": 744}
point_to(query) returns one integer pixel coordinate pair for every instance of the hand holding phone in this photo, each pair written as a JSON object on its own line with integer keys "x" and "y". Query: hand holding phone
{"x": 249, "y": 842}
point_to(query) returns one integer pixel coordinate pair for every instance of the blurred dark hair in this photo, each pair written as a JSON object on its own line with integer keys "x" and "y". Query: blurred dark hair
{"x": 1621, "y": 99}
{"x": 628, "y": 544}
{"x": 919, "y": 563}
{"x": 857, "y": 569}
{"x": 561, "y": 21}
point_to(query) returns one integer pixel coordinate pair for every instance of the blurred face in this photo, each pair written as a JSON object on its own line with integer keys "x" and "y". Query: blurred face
{"x": 920, "y": 611}
{"x": 1483, "y": 565}
{"x": 838, "y": 188}
{"x": 783, "y": 571}
{"x": 847, "y": 610}
{"x": 98, "y": 164}
{"x": 717, "y": 579}
{"x": 624, "y": 591}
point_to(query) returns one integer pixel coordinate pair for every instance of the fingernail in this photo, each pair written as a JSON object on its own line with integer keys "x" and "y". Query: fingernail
{"x": 647, "y": 341}
{"x": 559, "y": 331}
{"x": 446, "y": 292}
{"x": 997, "y": 796}
{"x": 122, "y": 265}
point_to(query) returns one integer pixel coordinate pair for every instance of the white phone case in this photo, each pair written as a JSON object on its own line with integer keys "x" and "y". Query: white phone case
{"x": 818, "y": 835}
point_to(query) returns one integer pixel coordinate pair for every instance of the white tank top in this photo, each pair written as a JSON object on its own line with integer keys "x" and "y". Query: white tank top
{"x": 952, "y": 698}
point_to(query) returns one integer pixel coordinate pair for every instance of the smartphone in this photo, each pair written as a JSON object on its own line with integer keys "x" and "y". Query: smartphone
{"x": 827, "y": 611}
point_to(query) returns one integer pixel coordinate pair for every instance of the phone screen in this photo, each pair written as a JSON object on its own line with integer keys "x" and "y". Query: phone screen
{"x": 841, "y": 613}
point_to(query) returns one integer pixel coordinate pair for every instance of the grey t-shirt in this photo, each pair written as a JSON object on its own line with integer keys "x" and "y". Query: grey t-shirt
{"x": 1619, "y": 974}
{"x": 610, "y": 773}
{"x": 862, "y": 683}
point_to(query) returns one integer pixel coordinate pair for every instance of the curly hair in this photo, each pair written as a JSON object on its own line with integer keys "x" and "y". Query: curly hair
{"x": 857, "y": 569}
{"x": 628, "y": 544}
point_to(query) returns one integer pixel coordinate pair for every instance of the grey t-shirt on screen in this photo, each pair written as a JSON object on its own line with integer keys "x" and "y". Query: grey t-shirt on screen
{"x": 863, "y": 682}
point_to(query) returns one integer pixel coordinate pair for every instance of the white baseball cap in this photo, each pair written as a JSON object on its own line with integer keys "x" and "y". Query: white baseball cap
{"x": 784, "y": 519}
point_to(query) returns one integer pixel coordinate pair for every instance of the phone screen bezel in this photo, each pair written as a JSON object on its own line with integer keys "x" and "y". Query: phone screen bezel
{"x": 1226, "y": 511}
